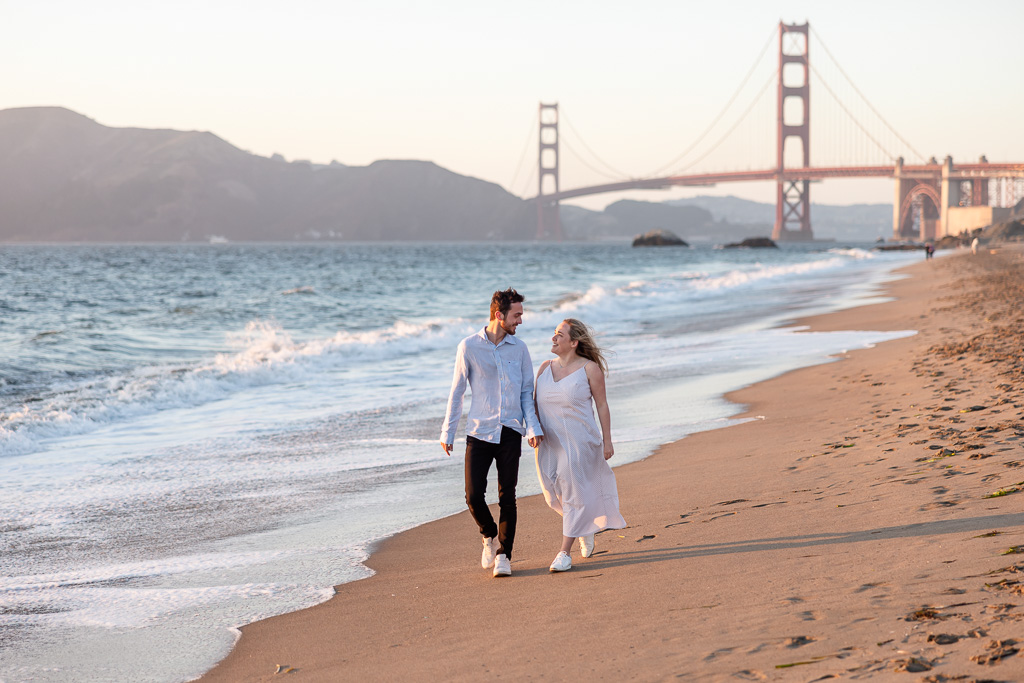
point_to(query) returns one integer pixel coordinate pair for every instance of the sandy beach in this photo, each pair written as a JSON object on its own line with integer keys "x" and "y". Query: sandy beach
{"x": 861, "y": 524}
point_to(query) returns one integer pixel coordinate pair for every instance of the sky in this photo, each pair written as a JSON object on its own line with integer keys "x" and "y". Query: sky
{"x": 459, "y": 83}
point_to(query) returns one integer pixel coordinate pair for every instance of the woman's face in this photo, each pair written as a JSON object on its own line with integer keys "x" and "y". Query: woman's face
{"x": 560, "y": 343}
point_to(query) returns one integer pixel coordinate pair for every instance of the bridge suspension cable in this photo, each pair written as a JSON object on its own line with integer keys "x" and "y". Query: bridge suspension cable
{"x": 530, "y": 181}
{"x": 522, "y": 156}
{"x": 717, "y": 119}
{"x": 725, "y": 136}
{"x": 618, "y": 174}
{"x": 853, "y": 118}
{"x": 579, "y": 158}
{"x": 824, "y": 46}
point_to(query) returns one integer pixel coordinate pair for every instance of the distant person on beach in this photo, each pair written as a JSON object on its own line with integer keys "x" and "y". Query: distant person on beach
{"x": 929, "y": 251}
{"x": 974, "y": 246}
{"x": 499, "y": 372}
{"x": 572, "y": 461}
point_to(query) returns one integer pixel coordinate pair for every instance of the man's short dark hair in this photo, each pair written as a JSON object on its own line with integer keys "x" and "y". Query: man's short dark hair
{"x": 503, "y": 300}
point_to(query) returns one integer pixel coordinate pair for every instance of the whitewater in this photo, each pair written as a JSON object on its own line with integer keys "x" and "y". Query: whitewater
{"x": 196, "y": 437}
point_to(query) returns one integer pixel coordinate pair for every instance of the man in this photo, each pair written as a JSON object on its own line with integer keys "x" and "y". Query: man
{"x": 499, "y": 371}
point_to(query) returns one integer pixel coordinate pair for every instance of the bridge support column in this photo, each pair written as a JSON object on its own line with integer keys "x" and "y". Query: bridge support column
{"x": 793, "y": 197}
{"x": 950, "y": 195}
{"x": 979, "y": 192}
{"x": 549, "y": 219}
{"x": 902, "y": 188}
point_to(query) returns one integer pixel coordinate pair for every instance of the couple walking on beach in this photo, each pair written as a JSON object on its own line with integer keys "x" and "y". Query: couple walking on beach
{"x": 571, "y": 452}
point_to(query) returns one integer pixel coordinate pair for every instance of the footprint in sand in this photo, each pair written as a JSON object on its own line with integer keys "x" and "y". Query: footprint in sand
{"x": 717, "y": 654}
{"x": 727, "y": 514}
{"x": 869, "y": 586}
{"x": 926, "y": 614}
{"x": 996, "y": 650}
{"x": 1001, "y": 608}
{"x": 797, "y": 641}
{"x": 939, "y": 504}
{"x": 683, "y": 518}
{"x": 912, "y": 665}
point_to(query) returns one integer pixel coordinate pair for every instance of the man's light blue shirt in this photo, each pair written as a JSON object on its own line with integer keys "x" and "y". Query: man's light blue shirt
{"x": 500, "y": 377}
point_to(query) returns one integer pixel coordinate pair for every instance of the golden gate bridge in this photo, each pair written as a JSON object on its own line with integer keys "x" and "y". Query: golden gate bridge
{"x": 931, "y": 198}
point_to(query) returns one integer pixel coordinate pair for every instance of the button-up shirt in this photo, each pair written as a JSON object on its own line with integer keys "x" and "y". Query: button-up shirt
{"x": 500, "y": 377}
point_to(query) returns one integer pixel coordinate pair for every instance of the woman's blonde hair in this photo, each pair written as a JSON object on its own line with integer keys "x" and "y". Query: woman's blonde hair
{"x": 586, "y": 347}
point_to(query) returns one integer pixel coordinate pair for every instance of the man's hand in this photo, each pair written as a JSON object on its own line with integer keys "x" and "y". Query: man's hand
{"x": 447, "y": 448}
{"x": 534, "y": 441}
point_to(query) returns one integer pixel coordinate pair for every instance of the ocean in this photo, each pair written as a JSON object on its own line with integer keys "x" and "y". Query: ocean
{"x": 194, "y": 437}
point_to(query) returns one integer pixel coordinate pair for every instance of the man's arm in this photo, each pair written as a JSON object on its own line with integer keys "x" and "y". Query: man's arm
{"x": 534, "y": 433}
{"x": 454, "y": 412}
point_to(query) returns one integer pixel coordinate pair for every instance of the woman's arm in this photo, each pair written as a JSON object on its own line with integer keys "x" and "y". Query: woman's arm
{"x": 597, "y": 389}
{"x": 536, "y": 408}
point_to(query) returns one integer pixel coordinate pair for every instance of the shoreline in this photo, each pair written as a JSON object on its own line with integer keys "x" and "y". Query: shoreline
{"x": 689, "y": 587}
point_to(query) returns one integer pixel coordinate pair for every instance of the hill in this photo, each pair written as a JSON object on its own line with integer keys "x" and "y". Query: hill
{"x": 721, "y": 219}
{"x": 629, "y": 217}
{"x": 65, "y": 177}
{"x": 863, "y": 222}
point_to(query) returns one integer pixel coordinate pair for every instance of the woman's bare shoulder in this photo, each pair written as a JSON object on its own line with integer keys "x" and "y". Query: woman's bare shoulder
{"x": 594, "y": 372}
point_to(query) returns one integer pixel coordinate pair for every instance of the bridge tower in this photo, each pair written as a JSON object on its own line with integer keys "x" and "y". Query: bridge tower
{"x": 793, "y": 200}
{"x": 549, "y": 221}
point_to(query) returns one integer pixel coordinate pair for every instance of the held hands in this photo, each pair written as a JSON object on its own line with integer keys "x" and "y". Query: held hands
{"x": 534, "y": 442}
{"x": 609, "y": 450}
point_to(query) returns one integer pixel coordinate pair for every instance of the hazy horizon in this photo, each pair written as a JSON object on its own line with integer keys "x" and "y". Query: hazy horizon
{"x": 458, "y": 83}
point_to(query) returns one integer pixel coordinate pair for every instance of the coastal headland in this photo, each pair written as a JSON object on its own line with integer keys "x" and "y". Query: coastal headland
{"x": 864, "y": 522}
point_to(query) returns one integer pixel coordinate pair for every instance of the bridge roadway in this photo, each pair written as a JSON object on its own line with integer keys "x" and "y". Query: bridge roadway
{"x": 925, "y": 171}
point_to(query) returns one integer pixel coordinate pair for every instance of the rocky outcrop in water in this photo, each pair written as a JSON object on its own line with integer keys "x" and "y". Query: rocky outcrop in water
{"x": 753, "y": 243}
{"x": 659, "y": 238}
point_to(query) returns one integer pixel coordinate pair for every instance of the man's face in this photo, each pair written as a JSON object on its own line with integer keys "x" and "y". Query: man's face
{"x": 512, "y": 319}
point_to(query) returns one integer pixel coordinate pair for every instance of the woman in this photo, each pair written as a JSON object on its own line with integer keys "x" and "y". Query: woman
{"x": 572, "y": 459}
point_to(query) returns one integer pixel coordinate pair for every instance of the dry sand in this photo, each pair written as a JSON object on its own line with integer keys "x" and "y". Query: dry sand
{"x": 848, "y": 532}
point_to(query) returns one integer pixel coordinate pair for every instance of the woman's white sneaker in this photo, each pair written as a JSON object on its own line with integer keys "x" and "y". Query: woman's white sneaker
{"x": 587, "y": 545}
{"x": 562, "y": 563}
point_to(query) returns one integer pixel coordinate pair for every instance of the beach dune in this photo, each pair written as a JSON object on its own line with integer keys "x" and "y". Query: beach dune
{"x": 863, "y": 522}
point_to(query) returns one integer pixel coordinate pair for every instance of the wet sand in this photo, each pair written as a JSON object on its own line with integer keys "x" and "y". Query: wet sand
{"x": 865, "y": 522}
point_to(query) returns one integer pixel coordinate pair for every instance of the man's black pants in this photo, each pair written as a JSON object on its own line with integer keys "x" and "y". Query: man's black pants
{"x": 479, "y": 455}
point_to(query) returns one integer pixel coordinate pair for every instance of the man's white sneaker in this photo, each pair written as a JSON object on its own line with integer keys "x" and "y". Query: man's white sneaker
{"x": 562, "y": 563}
{"x": 501, "y": 566}
{"x": 490, "y": 548}
{"x": 587, "y": 545}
